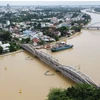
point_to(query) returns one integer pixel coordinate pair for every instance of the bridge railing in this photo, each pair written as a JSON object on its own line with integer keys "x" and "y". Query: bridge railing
{"x": 83, "y": 75}
{"x": 69, "y": 71}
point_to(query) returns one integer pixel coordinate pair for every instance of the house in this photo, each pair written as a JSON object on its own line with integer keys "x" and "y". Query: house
{"x": 68, "y": 20}
{"x": 35, "y": 34}
{"x": 47, "y": 38}
{"x": 25, "y": 36}
{"x": 58, "y": 33}
{"x": 63, "y": 24}
{"x": 40, "y": 34}
{"x": 36, "y": 41}
{"x": 1, "y": 26}
{"x": 43, "y": 25}
{"x": 0, "y": 42}
{"x": 5, "y": 47}
{"x": 62, "y": 20}
{"x": 54, "y": 20}
{"x": 27, "y": 32}
{"x": 70, "y": 32}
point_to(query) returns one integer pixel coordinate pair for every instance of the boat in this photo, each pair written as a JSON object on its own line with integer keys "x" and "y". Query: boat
{"x": 61, "y": 46}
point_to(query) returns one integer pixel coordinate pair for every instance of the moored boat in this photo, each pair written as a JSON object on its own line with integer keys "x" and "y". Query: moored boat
{"x": 61, "y": 46}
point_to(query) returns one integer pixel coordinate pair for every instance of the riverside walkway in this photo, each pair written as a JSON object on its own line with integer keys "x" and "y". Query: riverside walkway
{"x": 68, "y": 71}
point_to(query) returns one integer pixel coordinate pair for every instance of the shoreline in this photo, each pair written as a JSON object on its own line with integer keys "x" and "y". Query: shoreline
{"x": 10, "y": 53}
{"x": 61, "y": 39}
{"x": 41, "y": 47}
{"x": 74, "y": 35}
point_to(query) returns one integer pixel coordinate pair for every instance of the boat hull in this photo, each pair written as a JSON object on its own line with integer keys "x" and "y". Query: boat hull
{"x": 61, "y": 48}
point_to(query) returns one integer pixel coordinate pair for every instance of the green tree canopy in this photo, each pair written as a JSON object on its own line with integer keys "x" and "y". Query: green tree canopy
{"x": 79, "y": 92}
{"x": 5, "y": 35}
{"x": 1, "y": 50}
{"x": 76, "y": 28}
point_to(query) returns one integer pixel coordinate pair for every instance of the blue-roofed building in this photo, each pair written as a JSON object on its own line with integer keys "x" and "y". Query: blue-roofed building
{"x": 27, "y": 32}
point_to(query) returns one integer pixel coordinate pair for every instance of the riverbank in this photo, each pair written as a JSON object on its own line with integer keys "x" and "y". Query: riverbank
{"x": 10, "y": 53}
{"x": 33, "y": 77}
{"x": 74, "y": 35}
{"x": 60, "y": 40}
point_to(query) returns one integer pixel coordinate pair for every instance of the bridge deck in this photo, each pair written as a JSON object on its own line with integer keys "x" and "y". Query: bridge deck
{"x": 68, "y": 71}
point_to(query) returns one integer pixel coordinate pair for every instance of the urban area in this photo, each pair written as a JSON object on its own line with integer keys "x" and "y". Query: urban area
{"x": 49, "y": 28}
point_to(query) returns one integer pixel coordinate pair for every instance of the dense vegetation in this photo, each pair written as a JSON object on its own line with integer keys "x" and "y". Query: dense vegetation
{"x": 46, "y": 12}
{"x": 13, "y": 47}
{"x": 68, "y": 21}
{"x": 79, "y": 92}
{"x": 5, "y": 35}
{"x": 1, "y": 50}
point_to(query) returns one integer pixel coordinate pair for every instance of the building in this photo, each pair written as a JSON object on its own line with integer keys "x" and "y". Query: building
{"x": 8, "y": 7}
{"x": 5, "y": 47}
{"x": 54, "y": 20}
{"x": 7, "y": 22}
{"x": 0, "y": 42}
{"x": 64, "y": 24}
{"x": 27, "y": 32}
{"x": 68, "y": 20}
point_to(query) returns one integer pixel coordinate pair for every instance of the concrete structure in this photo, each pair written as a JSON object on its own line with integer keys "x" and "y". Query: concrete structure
{"x": 68, "y": 71}
{"x": 7, "y": 22}
{"x": 63, "y": 24}
{"x": 54, "y": 20}
{"x": 5, "y": 47}
{"x": 93, "y": 26}
{"x": 0, "y": 42}
{"x": 68, "y": 20}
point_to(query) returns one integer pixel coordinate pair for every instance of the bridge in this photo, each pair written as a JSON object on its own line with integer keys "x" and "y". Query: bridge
{"x": 93, "y": 26}
{"x": 68, "y": 71}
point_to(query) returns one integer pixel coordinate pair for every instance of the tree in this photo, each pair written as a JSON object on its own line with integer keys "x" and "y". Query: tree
{"x": 12, "y": 48}
{"x": 56, "y": 37}
{"x": 57, "y": 94}
{"x": 63, "y": 30}
{"x": 5, "y": 35}
{"x": 27, "y": 40}
{"x": 42, "y": 42}
{"x": 1, "y": 50}
{"x": 39, "y": 25}
{"x": 77, "y": 29}
{"x": 60, "y": 21}
{"x": 23, "y": 40}
{"x": 78, "y": 92}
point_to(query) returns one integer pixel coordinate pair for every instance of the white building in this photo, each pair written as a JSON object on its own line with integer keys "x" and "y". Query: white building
{"x": 7, "y": 22}
{"x": 68, "y": 20}
{"x": 0, "y": 42}
{"x": 54, "y": 20}
{"x": 63, "y": 24}
{"x": 43, "y": 25}
{"x": 5, "y": 47}
{"x": 0, "y": 25}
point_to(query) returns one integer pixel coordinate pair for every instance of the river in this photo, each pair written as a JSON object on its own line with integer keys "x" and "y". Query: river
{"x": 22, "y": 71}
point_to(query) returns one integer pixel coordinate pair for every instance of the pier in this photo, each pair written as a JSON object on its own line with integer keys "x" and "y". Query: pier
{"x": 68, "y": 71}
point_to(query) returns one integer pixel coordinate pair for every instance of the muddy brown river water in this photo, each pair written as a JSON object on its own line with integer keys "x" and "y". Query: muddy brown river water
{"x": 23, "y": 72}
